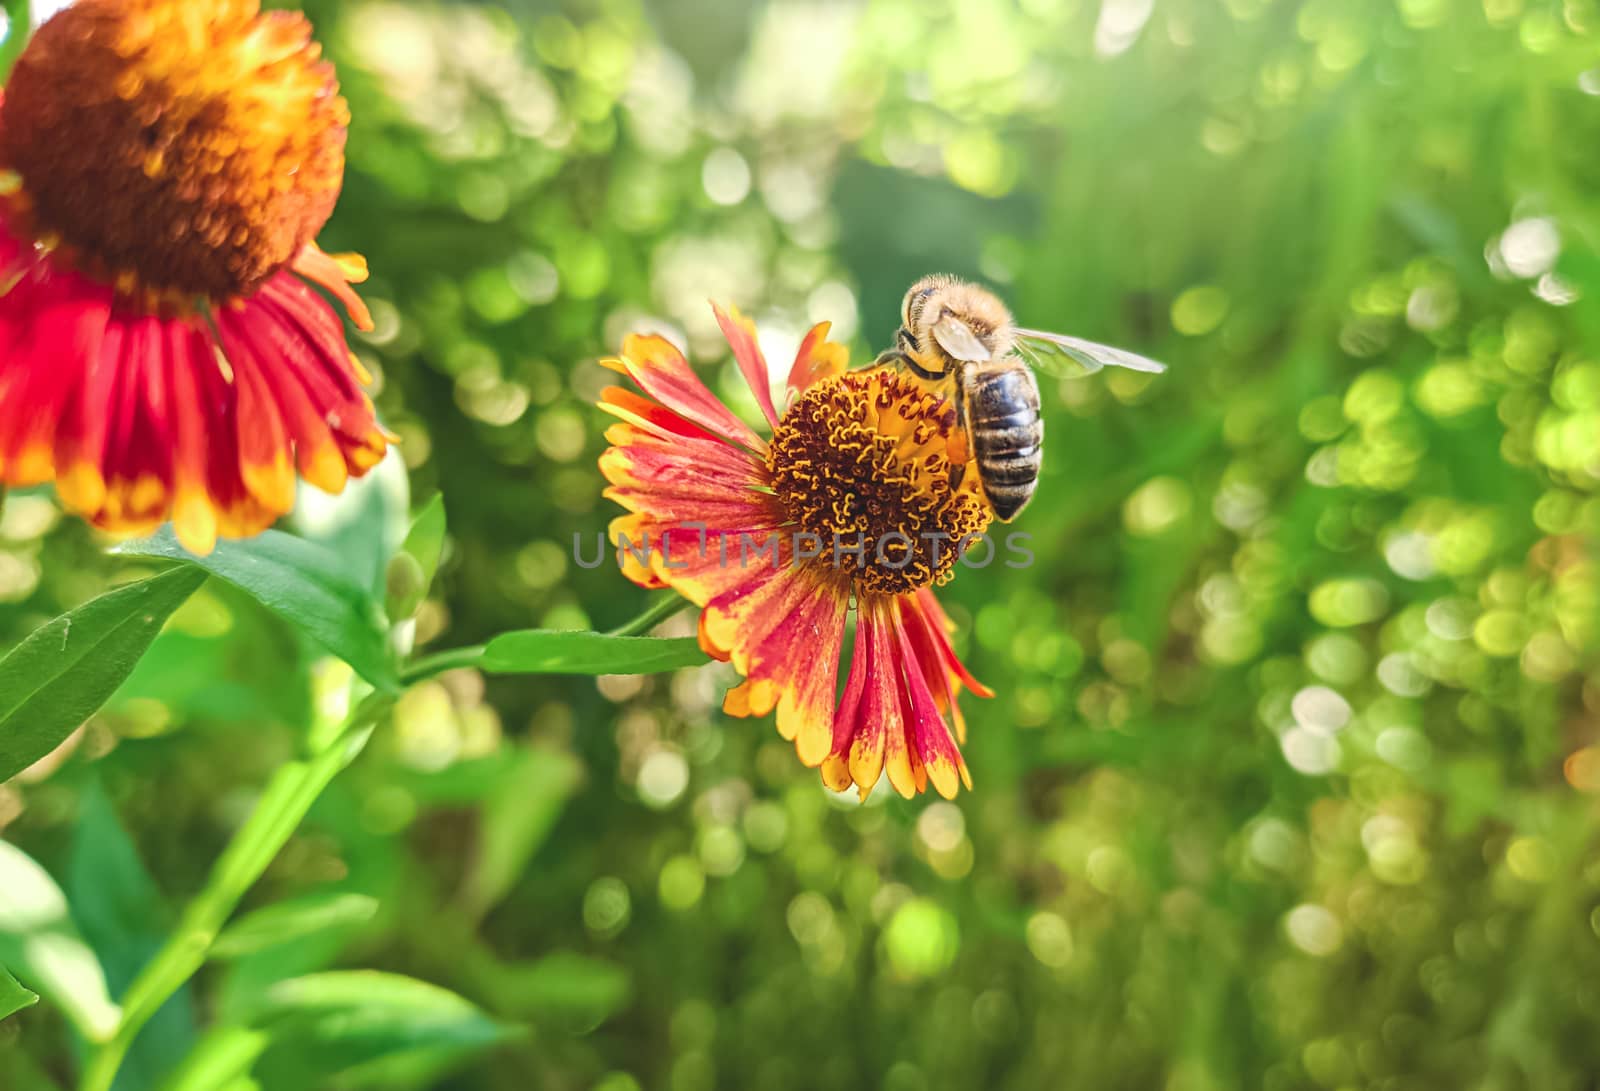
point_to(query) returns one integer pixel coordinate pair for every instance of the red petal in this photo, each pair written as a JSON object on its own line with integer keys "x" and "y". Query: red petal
{"x": 137, "y": 462}
{"x": 937, "y": 625}
{"x": 336, "y": 272}
{"x": 661, "y": 372}
{"x": 857, "y": 743}
{"x": 51, "y": 327}
{"x": 927, "y": 736}
{"x": 652, "y": 418}
{"x": 288, "y": 349}
{"x": 881, "y": 741}
{"x": 190, "y": 357}
{"x": 817, "y": 359}
{"x": 741, "y": 335}
{"x": 784, "y": 629}
{"x": 680, "y": 480}
{"x": 263, "y": 437}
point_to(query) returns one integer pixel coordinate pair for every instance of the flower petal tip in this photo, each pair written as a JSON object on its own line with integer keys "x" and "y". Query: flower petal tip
{"x": 195, "y": 524}
{"x": 741, "y": 335}
{"x": 817, "y": 359}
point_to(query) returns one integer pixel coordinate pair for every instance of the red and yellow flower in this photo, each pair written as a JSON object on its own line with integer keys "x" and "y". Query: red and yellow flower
{"x": 849, "y": 504}
{"x": 165, "y": 166}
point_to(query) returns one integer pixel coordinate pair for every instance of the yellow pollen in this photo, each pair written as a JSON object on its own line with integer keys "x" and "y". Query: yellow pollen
{"x": 181, "y": 147}
{"x": 861, "y": 458}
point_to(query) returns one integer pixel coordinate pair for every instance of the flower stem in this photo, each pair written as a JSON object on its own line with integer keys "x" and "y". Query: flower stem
{"x": 668, "y": 606}
{"x": 287, "y": 798}
{"x": 448, "y": 660}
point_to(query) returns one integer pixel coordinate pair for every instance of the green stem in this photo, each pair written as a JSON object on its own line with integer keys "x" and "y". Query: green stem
{"x": 19, "y": 14}
{"x": 287, "y": 798}
{"x": 655, "y": 615}
{"x": 448, "y": 660}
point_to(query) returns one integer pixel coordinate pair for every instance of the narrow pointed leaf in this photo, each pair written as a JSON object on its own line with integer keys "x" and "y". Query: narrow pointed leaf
{"x": 425, "y": 540}
{"x": 551, "y": 651}
{"x": 13, "y": 997}
{"x": 272, "y": 925}
{"x": 63, "y": 671}
{"x": 326, "y": 1023}
{"x": 218, "y": 1061}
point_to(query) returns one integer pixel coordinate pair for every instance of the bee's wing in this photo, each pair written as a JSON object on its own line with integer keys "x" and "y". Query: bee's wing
{"x": 957, "y": 338}
{"x": 1048, "y": 350}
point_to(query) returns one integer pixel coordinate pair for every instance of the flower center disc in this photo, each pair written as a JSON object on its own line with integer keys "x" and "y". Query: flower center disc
{"x": 862, "y": 458}
{"x": 179, "y": 148}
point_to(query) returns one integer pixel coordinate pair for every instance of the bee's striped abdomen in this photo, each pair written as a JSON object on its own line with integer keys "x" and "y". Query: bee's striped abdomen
{"x": 1007, "y": 434}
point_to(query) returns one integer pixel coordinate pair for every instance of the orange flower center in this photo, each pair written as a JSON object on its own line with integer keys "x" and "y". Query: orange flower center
{"x": 861, "y": 459}
{"x": 177, "y": 148}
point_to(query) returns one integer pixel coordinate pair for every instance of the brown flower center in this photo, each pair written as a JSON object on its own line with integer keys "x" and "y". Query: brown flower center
{"x": 178, "y": 148}
{"x": 861, "y": 462}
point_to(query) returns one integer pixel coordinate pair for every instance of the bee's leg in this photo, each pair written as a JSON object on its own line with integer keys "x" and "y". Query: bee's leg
{"x": 904, "y": 354}
{"x": 958, "y": 471}
{"x": 959, "y": 445}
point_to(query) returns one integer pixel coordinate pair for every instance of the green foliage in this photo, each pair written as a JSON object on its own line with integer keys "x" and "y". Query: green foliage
{"x": 288, "y": 921}
{"x": 578, "y": 989}
{"x": 40, "y": 941}
{"x": 363, "y": 527}
{"x": 517, "y": 814}
{"x": 370, "y": 1028}
{"x": 536, "y": 651}
{"x": 324, "y": 1024}
{"x": 63, "y": 671}
{"x": 124, "y": 919}
{"x": 18, "y": 17}
{"x": 1289, "y": 780}
{"x": 410, "y": 572}
{"x": 424, "y": 542}
{"x": 13, "y": 997}
{"x": 303, "y": 583}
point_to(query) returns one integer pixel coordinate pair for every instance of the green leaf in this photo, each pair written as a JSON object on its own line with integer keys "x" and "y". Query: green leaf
{"x": 399, "y": 999}
{"x": 222, "y": 1057}
{"x": 552, "y": 651}
{"x": 327, "y": 1023}
{"x": 224, "y": 659}
{"x": 411, "y": 570}
{"x": 571, "y": 986}
{"x": 19, "y": 23}
{"x": 287, "y": 798}
{"x": 425, "y": 541}
{"x": 518, "y": 814}
{"x": 114, "y": 900}
{"x": 302, "y": 582}
{"x": 63, "y": 671}
{"x": 124, "y": 919}
{"x": 13, "y": 997}
{"x": 40, "y": 941}
{"x": 277, "y": 924}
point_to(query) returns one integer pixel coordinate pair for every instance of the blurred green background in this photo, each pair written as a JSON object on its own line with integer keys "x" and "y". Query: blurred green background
{"x": 1291, "y": 779}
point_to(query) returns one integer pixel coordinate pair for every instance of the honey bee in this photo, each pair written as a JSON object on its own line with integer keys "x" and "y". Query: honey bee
{"x": 952, "y": 331}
